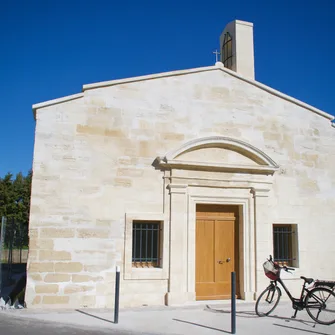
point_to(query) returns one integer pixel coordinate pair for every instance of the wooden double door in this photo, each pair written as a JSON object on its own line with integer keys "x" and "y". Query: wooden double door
{"x": 217, "y": 237}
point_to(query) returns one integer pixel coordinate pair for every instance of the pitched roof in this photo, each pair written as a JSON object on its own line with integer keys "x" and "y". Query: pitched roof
{"x": 217, "y": 67}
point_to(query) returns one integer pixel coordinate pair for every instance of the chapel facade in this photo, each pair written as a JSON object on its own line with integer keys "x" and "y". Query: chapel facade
{"x": 179, "y": 178}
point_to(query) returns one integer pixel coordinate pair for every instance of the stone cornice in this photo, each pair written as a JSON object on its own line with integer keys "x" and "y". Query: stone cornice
{"x": 148, "y": 77}
{"x": 239, "y": 182}
{"x": 260, "y": 192}
{"x": 242, "y": 147}
{"x": 177, "y": 188}
{"x": 55, "y": 102}
{"x": 203, "y": 166}
{"x": 277, "y": 93}
{"x": 217, "y": 67}
{"x": 263, "y": 163}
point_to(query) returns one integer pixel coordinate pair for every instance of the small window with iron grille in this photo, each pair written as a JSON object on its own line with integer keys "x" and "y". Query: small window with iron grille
{"x": 227, "y": 51}
{"x": 146, "y": 251}
{"x": 285, "y": 244}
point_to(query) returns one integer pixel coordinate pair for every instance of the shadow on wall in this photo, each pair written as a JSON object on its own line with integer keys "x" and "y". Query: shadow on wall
{"x": 13, "y": 285}
{"x": 13, "y": 263}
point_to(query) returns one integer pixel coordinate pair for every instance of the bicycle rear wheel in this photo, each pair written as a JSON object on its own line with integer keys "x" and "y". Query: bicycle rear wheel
{"x": 320, "y": 305}
{"x": 268, "y": 300}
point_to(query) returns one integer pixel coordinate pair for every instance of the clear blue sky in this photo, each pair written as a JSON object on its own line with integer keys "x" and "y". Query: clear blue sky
{"x": 49, "y": 49}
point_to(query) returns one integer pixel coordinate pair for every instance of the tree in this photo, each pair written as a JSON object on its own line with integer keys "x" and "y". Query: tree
{"x": 7, "y": 196}
{"x": 15, "y": 206}
{"x": 15, "y": 197}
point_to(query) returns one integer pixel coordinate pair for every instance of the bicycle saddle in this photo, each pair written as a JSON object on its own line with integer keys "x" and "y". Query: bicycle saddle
{"x": 307, "y": 280}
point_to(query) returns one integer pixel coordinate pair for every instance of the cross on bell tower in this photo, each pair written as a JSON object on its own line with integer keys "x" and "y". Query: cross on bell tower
{"x": 217, "y": 53}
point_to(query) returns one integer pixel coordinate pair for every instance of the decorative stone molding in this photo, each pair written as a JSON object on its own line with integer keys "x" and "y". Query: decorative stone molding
{"x": 223, "y": 142}
{"x": 243, "y": 199}
{"x": 265, "y": 164}
{"x": 177, "y": 188}
{"x": 190, "y": 165}
{"x": 260, "y": 192}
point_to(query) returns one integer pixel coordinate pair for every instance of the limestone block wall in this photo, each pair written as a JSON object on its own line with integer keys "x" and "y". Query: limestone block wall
{"x": 93, "y": 164}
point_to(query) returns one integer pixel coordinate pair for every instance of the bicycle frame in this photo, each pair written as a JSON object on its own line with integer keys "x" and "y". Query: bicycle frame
{"x": 313, "y": 297}
{"x": 297, "y": 304}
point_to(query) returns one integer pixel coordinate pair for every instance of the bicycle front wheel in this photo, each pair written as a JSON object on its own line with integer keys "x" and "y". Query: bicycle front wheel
{"x": 320, "y": 305}
{"x": 268, "y": 300}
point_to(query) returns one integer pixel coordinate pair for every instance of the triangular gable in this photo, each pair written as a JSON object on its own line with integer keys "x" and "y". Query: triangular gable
{"x": 218, "y": 67}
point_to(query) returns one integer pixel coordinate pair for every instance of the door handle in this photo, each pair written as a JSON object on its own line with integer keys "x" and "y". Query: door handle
{"x": 228, "y": 260}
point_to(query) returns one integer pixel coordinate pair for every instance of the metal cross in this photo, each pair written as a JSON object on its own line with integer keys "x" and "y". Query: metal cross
{"x": 216, "y": 54}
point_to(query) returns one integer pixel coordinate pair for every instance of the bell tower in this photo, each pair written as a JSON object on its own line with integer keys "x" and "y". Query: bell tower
{"x": 237, "y": 48}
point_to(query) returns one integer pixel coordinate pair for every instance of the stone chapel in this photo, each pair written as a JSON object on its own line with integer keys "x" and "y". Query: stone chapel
{"x": 179, "y": 178}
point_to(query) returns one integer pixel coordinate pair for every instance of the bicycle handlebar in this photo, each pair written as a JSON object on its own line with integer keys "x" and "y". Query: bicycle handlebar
{"x": 286, "y": 268}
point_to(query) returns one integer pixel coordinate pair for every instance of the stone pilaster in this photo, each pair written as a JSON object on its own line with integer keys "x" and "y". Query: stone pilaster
{"x": 177, "y": 293}
{"x": 263, "y": 234}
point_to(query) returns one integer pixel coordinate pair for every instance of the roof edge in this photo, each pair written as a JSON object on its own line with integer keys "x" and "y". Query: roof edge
{"x": 147, "y": 77}
{"x": 55, "y": 102}
{"x": 220, "y": 66}
{"x": 217, "y": 66}
{"x": 279, "y": 94}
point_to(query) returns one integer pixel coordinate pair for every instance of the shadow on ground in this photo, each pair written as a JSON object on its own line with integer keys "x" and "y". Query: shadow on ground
{"x": 252, "y": 314}
{"x": 94, "y": 316}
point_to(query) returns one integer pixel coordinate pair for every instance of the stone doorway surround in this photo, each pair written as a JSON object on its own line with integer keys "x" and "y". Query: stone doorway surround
{"x": 201, "y": 182}
{"x": 217, "y": 251}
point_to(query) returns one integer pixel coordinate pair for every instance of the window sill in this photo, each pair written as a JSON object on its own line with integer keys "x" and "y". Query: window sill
{"x": 146, "y": 273}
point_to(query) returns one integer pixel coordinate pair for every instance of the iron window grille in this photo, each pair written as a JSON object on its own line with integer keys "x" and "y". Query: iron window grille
{"x": 284, "y": 237}
{"x": 227, "y": 52}
{"x": 146, "y": 244}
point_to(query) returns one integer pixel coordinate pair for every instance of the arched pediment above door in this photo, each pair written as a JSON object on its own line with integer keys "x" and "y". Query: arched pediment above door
{"x": 218, "y": 153}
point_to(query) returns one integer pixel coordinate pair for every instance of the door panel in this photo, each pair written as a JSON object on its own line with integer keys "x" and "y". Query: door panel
{"x": 215, "y": 252}
{"x": 205, "y": 255}
{"x": 224, "y": 252}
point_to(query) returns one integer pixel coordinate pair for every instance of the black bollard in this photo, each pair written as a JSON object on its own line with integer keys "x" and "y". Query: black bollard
{"x": 233, "y": 303}
{"x": 117, "y": 295}
{"x": 2, "y": 245}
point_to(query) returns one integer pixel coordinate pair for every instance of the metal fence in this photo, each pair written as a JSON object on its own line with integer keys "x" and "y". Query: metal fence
{"x": 13, "y": 255}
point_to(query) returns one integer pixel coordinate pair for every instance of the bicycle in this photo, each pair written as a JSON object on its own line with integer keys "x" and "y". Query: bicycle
{"x": 317, "y": 300}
